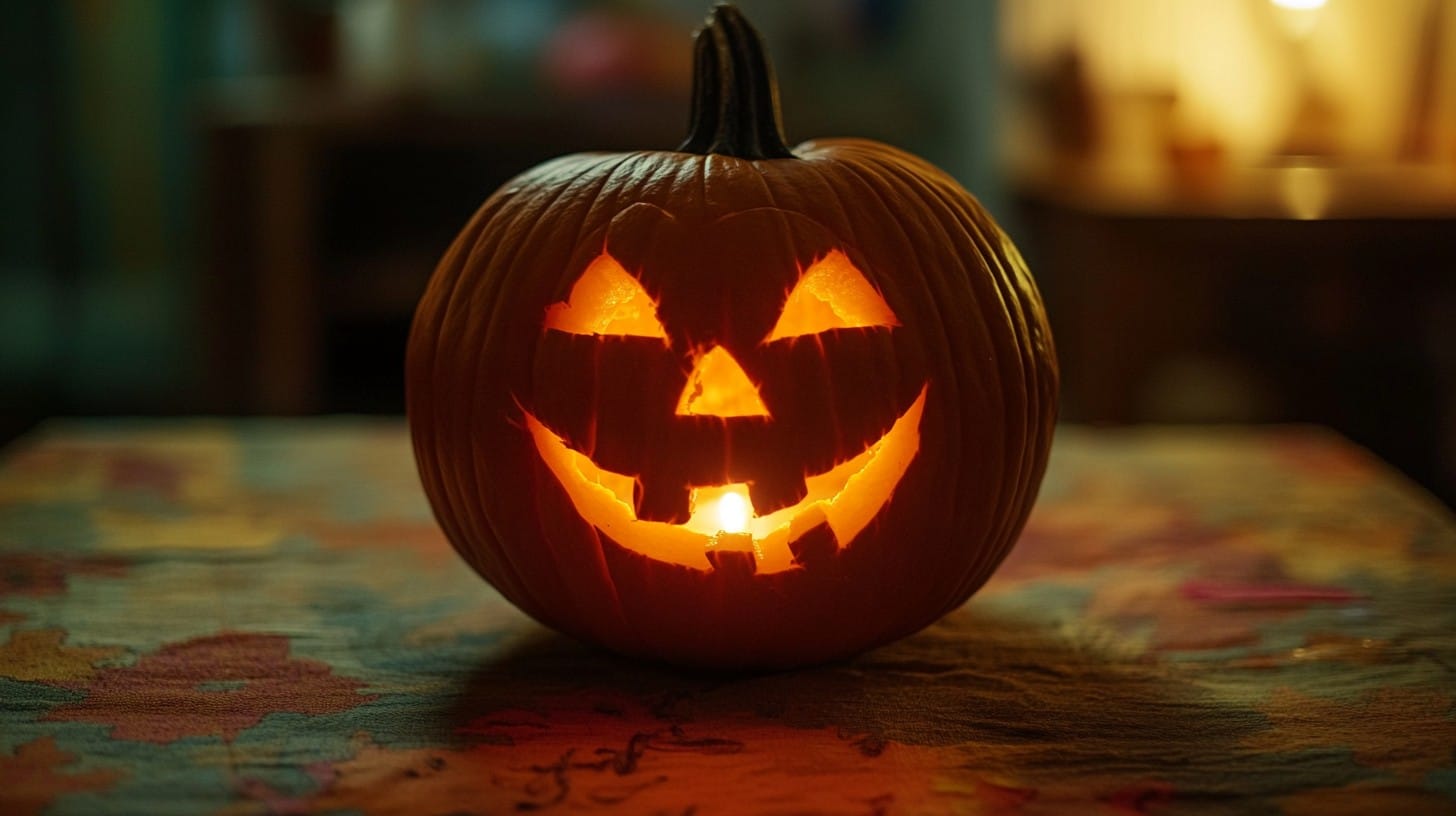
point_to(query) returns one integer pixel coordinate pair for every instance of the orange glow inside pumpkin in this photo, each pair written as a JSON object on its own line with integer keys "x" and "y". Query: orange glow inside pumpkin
{"x": 734, "y": 510}
{"x": 722, "y": 517}
{"x": 831, "y": 294}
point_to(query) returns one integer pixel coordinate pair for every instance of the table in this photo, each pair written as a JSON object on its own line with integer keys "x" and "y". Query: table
{"x": 249, "y": 617}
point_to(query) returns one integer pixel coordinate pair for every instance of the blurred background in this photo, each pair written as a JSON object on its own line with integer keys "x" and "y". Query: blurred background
{"x": 1242, "y": 211}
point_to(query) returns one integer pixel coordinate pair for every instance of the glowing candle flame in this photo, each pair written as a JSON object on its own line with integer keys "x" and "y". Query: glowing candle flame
{"x": 1299, "y": 5}
{"x": 733, "y": 512}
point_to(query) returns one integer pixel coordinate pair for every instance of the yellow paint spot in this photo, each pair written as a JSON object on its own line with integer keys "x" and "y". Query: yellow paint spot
{"x": 131, "y": 532}
{"x": 39, "y": 655}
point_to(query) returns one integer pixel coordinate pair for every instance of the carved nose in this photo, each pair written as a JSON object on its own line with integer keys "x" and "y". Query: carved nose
{"x": 719, "y": 387}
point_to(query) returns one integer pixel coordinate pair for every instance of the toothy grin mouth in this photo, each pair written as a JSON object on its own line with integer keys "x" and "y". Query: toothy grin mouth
{"x": 846, "y": 497}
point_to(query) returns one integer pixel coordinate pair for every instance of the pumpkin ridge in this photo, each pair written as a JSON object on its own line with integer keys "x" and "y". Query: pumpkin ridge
{"x": 464, "y": 483}
{"x": 1009, "y": 278}
{"x": 947, "y": 380}
{"x": 599, "y": 210}
{"x": 955, "y": 215}
{"x": 1017, "y": 290}
{"x": 605, "y": 208}
{"x": 965, "y": 219}
{"x": 513, "y": 241}
{"x": 836, "y": 197}
{"x": 438, "y": 295}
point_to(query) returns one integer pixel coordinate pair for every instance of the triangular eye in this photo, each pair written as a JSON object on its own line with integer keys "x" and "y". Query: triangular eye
{"x": 831, "y": 294}
{"x": 606, "y": 300}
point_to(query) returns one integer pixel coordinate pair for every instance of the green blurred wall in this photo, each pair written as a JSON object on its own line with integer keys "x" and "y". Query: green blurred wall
{"x": 96, "y": 233}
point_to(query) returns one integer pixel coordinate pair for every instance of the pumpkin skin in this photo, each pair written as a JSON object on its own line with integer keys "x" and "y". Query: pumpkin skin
{"x": 718, "y": 234}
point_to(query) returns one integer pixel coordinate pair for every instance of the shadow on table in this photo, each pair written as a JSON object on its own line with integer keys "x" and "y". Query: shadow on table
{"x": 979, "y": 705}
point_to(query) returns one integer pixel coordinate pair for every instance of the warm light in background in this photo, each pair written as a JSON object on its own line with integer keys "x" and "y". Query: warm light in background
{"x": 1306, "y": 191}
{"x": 1167, "y": 74}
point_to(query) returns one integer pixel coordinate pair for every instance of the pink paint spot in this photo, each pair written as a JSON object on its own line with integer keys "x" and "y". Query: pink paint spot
{"x": 320, "y": 772}
{"x": 219, "y": 685}
{"x": 280, "y": 804}
{"x": 132, "y": 472}
{"x": 277, "y": 804}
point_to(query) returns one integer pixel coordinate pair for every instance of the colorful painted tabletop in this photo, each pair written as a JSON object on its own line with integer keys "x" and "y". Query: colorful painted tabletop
{"x": 261, "y": 617}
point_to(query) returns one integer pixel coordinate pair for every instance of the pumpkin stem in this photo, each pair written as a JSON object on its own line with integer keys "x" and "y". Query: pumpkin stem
{"x": 735, "y": 107}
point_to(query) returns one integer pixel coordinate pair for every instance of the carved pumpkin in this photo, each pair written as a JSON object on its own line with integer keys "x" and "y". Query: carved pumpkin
{"x": 733, "y": 405}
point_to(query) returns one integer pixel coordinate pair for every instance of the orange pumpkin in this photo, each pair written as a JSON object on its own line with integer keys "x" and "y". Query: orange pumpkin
{"x": 733, "y": 405}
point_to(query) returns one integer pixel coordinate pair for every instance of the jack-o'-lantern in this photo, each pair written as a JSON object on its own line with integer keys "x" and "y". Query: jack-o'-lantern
{"x": 733, "y": 405}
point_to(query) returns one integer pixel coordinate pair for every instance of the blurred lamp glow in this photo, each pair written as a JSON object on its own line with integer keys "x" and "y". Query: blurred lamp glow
{"x": 1299, "y": 5}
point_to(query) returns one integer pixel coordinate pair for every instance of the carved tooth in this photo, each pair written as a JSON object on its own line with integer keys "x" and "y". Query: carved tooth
{"x": 732, "y": 562}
